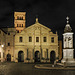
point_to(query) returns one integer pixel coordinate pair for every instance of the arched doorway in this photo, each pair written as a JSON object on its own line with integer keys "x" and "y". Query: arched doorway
{"x": 20, "y": 56}
{"x": 52, "y": 57}
{"x": 37, "y": 56}
{"x": 8, "y": 57}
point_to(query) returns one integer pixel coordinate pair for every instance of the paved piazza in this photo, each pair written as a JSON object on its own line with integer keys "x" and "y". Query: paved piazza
{"x": 29, "y": 69}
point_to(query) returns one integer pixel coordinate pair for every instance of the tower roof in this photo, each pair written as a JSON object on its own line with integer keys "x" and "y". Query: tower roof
{"x": 67, "y": 27}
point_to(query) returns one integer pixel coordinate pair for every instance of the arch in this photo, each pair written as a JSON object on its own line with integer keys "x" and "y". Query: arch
{"x": 20, "y": 56}
{"x": 52, "y": 56}
{"x": 37, "y": 56}
{"x": 8, "y": 57}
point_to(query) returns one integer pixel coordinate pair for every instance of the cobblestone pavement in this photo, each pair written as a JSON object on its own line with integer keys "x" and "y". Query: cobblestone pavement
{"x": 29, "y": 69}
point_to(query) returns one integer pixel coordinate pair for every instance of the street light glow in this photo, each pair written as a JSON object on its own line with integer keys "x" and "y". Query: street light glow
{"x": 2, "y": 45}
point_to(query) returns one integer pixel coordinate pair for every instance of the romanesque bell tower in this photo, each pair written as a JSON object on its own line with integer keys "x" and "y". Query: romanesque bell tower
{"x": 19, "y": 21}
{"x": 68, "y": 50}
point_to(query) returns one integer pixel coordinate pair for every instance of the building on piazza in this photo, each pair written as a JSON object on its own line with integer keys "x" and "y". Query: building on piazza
{"x": 36, "y": 43}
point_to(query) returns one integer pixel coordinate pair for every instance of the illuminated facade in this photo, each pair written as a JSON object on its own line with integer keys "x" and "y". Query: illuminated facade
{"x": 60, "y": 49}
{"x": 68, "y": 51}
{"x": 19, "y": 21}
{"x": 36, "y": 43}
{"x": 2, "y": 43}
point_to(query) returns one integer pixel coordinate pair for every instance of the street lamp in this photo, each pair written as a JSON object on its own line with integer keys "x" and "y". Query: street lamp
{"x": 2, "y": 45}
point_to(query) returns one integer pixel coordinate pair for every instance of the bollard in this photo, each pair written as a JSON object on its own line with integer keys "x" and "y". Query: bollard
{"x": 52, "y": 65}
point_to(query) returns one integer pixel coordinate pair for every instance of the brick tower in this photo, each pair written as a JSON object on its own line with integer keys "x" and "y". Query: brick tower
{"x": 19, "y": 21}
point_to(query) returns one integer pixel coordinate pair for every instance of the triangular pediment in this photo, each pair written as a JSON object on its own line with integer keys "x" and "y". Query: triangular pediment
{"x": 38, "y": 25}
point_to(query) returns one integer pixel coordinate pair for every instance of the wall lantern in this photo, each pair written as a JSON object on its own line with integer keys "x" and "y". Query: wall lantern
{"x": 2, "y": 45}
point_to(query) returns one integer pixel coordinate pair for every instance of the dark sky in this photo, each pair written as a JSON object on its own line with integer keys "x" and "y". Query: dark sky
{"x": 51, "y": 13}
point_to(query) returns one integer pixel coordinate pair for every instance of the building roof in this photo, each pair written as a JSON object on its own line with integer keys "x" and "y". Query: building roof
{"x": 39, "y": 25}
{"x": 67, "y": 27}
{"x": 3, "y": 30}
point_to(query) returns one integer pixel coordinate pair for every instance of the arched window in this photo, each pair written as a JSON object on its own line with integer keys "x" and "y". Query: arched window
{"x": 20, "y": 56}
{"x": 52, "y": 56}
{"x": 20, "y": 39}
{"x": 17, "y": 31}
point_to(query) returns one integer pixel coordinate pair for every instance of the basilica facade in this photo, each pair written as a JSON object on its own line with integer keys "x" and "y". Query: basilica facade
{"x": 36, "y": 43}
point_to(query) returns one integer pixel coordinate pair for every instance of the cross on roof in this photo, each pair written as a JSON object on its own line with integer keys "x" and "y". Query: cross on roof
{"x": 67, "y": 19}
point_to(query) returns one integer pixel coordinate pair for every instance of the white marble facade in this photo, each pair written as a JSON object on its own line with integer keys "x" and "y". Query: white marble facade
{"x": 68, "y": 51}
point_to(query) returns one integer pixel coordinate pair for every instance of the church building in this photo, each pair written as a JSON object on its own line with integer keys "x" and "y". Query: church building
{"x": 36, "y": 43}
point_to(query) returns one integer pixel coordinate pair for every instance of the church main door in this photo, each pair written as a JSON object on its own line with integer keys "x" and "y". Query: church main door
{"x": 52, "y": 56}
{"x": 37, "y": 56}
{"x": 20, "y": 56}
{"x": 8, "y": 57}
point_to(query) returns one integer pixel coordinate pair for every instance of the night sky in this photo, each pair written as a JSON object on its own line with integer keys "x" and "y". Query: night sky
{"x": 51, "y": 13}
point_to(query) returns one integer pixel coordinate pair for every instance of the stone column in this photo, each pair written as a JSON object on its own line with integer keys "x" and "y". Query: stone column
{"x": 27, "y": 53}
{"x": 16, "y": 56}
{"x": 1, "y": 54}
{"x": 24, "y": 56}
{"x": 41, "y": 53}
{"x": 42, "y": 60}
{"x": 32, "y": 55}
{"x": 49, "y": 55}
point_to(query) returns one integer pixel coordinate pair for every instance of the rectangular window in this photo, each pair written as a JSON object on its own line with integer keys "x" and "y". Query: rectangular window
{"x": 44, "y": 39}
{"x": 30, "y": 39}
{"x": 17, "y": 17}
{"x": 3, "y": 55}
{"x": 21, "y": 18}
{"x": 17, "y": 25}
{"x": 52, "y": 39}
{"x": 20, "y": 39}
{"x": 37, "y": 39}
{"x": 8, "y": 44}
{"x": 22, "y": 25}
